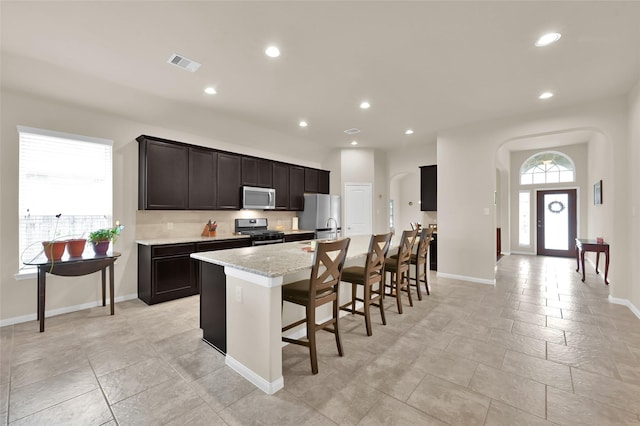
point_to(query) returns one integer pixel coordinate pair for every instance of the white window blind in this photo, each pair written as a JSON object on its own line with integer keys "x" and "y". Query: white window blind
{"x": 62, "y": 174}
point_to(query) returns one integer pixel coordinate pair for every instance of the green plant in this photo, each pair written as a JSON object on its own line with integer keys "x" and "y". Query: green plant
{"x": 106, "y": 234}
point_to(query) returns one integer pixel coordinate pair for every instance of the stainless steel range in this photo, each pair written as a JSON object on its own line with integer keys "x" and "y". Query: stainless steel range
{"x": 257, "y": 230}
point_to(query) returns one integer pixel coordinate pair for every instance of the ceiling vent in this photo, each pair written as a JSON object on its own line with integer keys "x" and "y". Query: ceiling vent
{"x": 352, "y": 131}
{"x": 184, "y": 63}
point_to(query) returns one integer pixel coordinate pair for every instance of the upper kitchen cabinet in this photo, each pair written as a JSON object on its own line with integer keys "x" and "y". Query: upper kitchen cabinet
{"x": 310, "y": 180}
{"x": 203, "y": 166}
{"x": 163, "y": 181}
{"x": 229, "y": 180}
{"x": 429, "y": 188}
{"x": 178, "y": 176}
{"x": 323, "y": 181}
{"x": 281, "y": 185}
{"x": 257, "y": 172}
{"x": 296, "y": 188}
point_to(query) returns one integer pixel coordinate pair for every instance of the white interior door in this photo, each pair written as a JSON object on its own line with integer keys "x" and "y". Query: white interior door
{"x": 357, "y": 209}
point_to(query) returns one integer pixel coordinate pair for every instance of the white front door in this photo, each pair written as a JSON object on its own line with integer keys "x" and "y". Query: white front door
{"x": 357, "y": 209}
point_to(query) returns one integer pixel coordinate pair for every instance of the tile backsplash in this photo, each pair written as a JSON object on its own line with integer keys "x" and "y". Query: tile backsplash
{"x": 181, "y": 223}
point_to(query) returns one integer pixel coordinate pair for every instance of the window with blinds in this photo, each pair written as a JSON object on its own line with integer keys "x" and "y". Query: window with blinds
{"x": 66, "y": 175}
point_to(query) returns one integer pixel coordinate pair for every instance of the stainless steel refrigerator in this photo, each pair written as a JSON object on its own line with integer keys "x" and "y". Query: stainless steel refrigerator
{"x": 321, "y": 214}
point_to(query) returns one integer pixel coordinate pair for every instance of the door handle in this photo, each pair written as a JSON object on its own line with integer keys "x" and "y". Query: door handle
{"x": 539, "y": 223}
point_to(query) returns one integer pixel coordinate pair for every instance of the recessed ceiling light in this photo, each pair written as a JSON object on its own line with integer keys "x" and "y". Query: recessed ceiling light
{"x": 272, "y": 52}
{"x": 210, "y": 91}
{"x": 545, "y": 95}
{"x": 365, "y": 105}
{"x": 547, "y": 39}
{"x": 303, "y": 124}
{"x": 354, "y": 143}
{"x": 408, "y": 132}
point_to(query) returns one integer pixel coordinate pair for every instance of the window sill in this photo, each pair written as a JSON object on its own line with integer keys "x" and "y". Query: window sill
{"x": 25, "y": 275}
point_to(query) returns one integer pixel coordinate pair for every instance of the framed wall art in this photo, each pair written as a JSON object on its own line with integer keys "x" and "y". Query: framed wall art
{"x": 597, "y": 192}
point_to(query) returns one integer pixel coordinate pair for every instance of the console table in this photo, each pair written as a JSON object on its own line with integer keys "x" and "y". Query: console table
{"x": 74, "y": 267}
{"x": 583, "y": 245}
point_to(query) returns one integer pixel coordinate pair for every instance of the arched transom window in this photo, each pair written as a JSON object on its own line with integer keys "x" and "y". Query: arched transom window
{"x": 547, "y": 167}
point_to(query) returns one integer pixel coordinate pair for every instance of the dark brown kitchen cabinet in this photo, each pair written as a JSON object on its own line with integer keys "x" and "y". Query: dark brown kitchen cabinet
{"x": 178, "y": 176}
{"x": 257, "y": 172}
{"x": 433, "y": 253}
{"x": 323, "y": 181}
{"x": 296, "y": 188}
{"x": 429, "y": 188}
{"x": 265, "y": 173}
{"x": 163, "y": 183}
{"x": 281, "y": 185}
{"x": 310, "y": 180}
{"x": 229, "y": 181}
{"x": 166, "y": 272}
{"x": 302, "y": 236}
{"x": 203, "y": 165}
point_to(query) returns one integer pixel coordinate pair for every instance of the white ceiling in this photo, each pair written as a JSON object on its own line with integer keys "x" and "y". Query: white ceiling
{"x": 422, "y": 65}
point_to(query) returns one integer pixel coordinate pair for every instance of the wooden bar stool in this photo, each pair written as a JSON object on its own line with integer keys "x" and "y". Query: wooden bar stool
{"x": 398, "y": 268}
{"x": 419, "y": 259}
{"x": 370, "y": 278}
{"x": 321, "y": 288}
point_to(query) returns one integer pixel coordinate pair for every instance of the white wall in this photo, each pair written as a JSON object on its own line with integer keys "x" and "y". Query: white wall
{"x": 466, "y": 182}
{"x": 18, "y": 298}
{"x": 404, "y": 182}
{"x": 633, "y": 159}
{"x": 380, "y": 194}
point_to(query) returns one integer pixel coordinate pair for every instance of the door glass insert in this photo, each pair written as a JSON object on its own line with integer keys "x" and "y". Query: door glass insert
{"x": 524, "y": 231}
{"x": 556, "y": 221}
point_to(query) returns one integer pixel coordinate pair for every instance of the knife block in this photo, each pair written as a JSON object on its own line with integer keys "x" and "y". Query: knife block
{"x": 208, "y": 232}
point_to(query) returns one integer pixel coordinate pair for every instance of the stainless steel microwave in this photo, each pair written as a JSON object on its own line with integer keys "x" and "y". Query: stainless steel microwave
{"x": 258, "y": 198}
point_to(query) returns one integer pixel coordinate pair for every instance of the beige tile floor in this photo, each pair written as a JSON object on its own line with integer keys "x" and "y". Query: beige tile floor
{"x": 540, "y": 347}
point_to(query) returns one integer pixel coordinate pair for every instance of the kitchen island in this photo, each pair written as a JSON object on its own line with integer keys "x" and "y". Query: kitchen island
{"x": 253, "y": 302}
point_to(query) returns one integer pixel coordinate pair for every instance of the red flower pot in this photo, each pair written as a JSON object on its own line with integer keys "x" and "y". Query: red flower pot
{"x": 54, "y": 249}
{"x": 100, "y": 247}
{"x": 75, "y": 247}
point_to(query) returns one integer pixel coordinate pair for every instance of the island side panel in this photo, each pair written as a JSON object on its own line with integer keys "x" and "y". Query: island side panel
{"x": 254, "y": 332}
{"x": 213, "y": 305}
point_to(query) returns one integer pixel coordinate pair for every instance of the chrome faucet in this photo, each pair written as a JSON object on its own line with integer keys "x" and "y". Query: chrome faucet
{"x": 334, "y": 230}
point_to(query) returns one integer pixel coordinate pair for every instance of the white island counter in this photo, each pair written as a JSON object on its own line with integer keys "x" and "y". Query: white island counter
{"x": 254, "y": 315}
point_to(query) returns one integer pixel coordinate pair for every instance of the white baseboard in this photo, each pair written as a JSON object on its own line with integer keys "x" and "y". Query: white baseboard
{"x": 465, "y": 278}
{"x": 64, "y": 310}
{"x": 265, "y": 386}
{"x": 626, "y": 303}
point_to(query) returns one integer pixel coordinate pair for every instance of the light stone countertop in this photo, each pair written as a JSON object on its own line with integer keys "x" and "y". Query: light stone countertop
{"x": 219, "y": 237}
{"x": 180, "y": 240}
{"x": 276, "y": 260}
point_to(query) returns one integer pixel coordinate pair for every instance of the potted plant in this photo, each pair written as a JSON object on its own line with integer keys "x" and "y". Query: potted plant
{"x": 75, "y": 246}
{"x": 101, "y": 238}
{"x": 54, "y": 249}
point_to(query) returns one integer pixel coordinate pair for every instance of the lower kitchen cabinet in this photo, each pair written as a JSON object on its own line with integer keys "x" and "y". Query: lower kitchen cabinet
{"x": 167, "y": 271}
{"x": 303, "y": 236}
{"x": 433, "y": 253}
